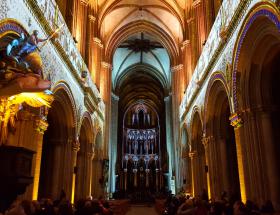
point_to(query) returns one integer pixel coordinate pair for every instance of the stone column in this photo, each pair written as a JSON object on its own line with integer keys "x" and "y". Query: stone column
{"x": 135, "y": 177}
{"x": 81, "y": 26}
{"x": 75, "y": 149}
{"x": 205, "y": 142}
{"x": 88, "y": 183}
{"x": 177, "y": 72}
{"x": 186, "y": 48}
{"x": 97, "y": 55}
{"x": 223, "y": 165}
{"x": 199, "y": 9}
{"x": 125, "y": 179}
{"x": 90, "y": 43}
{"x": 40, "y": 126}
{"x": 271, "y": 158}
{"x": 237, "y": 122}
{"x": 193, "y": 170}
{"x": 113, "y": 143}
{"x": 169, "y": 139}
{"x": 147, "y": 177}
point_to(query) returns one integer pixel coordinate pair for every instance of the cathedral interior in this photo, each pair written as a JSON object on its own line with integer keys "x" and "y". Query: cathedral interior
{"x": 123, "y": 102}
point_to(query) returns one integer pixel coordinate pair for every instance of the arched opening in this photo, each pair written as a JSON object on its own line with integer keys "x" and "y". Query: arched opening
{"x": 224, "y": 167}
{"x": 186, "y": 162}
{"x": 258, "y": 80}
{"x": 56, "y": 166}
{"x": 199, "y": 169}
{"x": 84, "y": 161}
{"x": 98, "y": 180}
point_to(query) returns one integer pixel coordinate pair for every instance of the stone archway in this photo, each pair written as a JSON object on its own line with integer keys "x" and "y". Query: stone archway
{"x": 198, "y": 159}
{"x": 84, "y": 160}
{"x": 256, "y": 98}
{"x": 222, "y": 154}
{"x": 57, "y": 153}
{"x": 97, "y": 167}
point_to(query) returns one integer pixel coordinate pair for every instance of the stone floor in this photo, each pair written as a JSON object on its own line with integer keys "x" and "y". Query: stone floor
{"x": 141, "y": 209}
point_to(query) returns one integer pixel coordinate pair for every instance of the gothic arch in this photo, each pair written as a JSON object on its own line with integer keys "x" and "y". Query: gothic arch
{"x": 62, "y": 91}
{"x": 215, "y": 77}
{"x": 146, "y": 27}
{"x": 267, "y": 14}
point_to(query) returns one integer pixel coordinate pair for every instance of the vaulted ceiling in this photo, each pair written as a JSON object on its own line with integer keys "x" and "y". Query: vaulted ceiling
{"x": 165, "y": 14}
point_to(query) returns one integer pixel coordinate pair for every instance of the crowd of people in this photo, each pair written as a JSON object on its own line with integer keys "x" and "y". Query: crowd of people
{"x": 60, "y": 207}
{"x": 186, "y": 205}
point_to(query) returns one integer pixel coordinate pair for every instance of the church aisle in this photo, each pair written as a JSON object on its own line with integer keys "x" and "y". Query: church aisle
{"x": 141, "y": 209}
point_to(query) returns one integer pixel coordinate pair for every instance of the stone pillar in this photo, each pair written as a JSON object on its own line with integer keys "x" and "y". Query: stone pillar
{"x": 169, "y": 139}
{"x": 88, "y": 173}
{"x": 135, "y": 177}
{"x": 223, "y": 165}
{"x": 205, "y": 142}
{"x": 177, "y": 72}
{"x": 90, "y": 42}
{"x": 113, "y": 143}
{"x": 237, "y": 122}
{"x": 199, "y": 9}
{"x": 193, "y": 43}
{"x": 75, "y": 149}
{"x": 147, "y": 177}
{"x": 193, "y": 170}
{"x": 271, "y": 158}
{"x": 125, "y": 179}
{"x": 97, "y": 55}
{"x": 40, "y": 126}
{"x": 186, "y": 48}
{"x": 81, "y": 26}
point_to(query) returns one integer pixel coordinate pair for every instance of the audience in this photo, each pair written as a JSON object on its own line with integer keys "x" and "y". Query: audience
{"x": 60, "y": 207}
{"x": 227, "y": 205}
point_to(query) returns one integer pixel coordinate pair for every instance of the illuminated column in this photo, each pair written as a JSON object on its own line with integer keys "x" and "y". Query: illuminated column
{"x": 177, "y": 73}
{"x": 169, "y": 139}
{"x": 81, "y": 26}
{"x": 88, "y": 183}
{"x": 40, "y": 126}
{"x": 105, "y": 91}
{"x": 193, "y": 43}
{"x": 237, "y": 122}
{"x": 186, "y": 48}
{"x": 199, "y": 9}
{"x": 75, "y": 149}
{"x": 97, "y": 54}
{"x": 113, "y": 141}
{"x": 90, "y": 43}
{"x": 193, "y": 169}
{"x": 205, "y": 142}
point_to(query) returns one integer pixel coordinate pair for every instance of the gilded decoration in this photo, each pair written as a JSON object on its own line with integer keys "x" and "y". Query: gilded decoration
{"x": 21, "y": 71}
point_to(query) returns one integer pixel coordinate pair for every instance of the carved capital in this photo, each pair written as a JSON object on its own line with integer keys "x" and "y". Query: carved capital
{"x": 106, "y": 65}
{"x": 41, "y": 125}
{"x": 84, "y": 2}
{"x": 235, "y": 120}
{"x": 75, "y": 145}
{"x": 185, "y": 44}
{"x": 177, "y": 68}
{"x": 91, "y": 18}
{"x": 115, "y": 97}
{"x": 98, "y": 42}
{"x": 192, "y": 154}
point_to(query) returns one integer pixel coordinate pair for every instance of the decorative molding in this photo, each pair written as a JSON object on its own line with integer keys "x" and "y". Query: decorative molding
{"x": 106, "y": 65}
{"x": 235, "y": 120}
{"x": 84, "y": 2}
{"x": 115, "y": 97}
{"x": 177, "y": 68}
{"x": 97, "y": 41}
{"x": 91, "y": 18}
{"x": 185, "y": 44}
